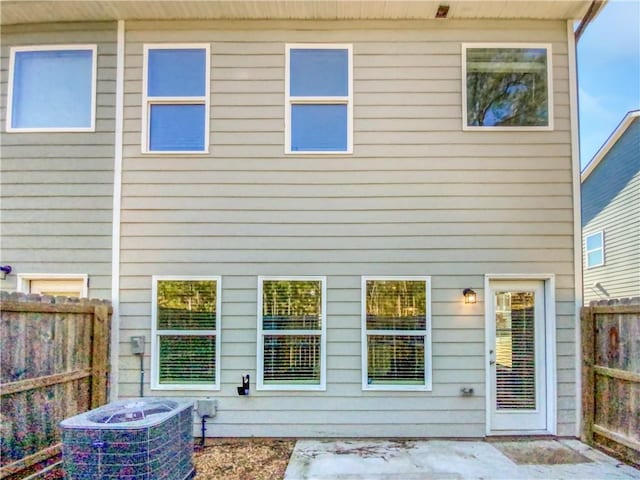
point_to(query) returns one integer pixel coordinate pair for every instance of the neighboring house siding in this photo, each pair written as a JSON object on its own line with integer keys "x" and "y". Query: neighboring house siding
{"x": 418, "y": 197}
{"x": 611, "y": 203}
{"x": 57, "y": 187}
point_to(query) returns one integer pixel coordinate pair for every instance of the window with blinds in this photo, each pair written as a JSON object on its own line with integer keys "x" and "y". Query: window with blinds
{"x": 515, "y": 351}
{"x": 186, "y": 333}
{"x": 396, "y": 330}
{"x": 291, "y": 333}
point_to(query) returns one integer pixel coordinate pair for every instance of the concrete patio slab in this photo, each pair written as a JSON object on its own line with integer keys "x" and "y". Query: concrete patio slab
{"x": 449, "y": 460}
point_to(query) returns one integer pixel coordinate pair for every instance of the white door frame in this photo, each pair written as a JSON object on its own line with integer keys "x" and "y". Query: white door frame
{"x": 549, "y": 280}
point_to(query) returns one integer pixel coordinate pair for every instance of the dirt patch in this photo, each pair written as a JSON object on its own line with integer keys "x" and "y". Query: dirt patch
{"x": 243, "y": 459}
{"x": 545, "y": 452}
{"x": 228, "y": 459}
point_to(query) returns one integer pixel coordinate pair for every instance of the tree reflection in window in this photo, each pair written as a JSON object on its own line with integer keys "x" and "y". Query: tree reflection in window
{"x": 507, "y": 87}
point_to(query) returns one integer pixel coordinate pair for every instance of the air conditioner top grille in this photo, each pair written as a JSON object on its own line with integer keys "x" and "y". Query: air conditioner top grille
{"x": 129, "y": 413}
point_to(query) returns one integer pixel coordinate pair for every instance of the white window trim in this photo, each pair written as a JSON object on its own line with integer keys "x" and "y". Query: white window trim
{"x": 147, "y": 101}
{"x": 24, "y": 280}
{"x": 155, "y": 336}
{"x": 42, "y": 48}
{"x": 428, "y": 357}
{"x": 290, "y": 101}
{"x": 547, "y": 47}
{"x": 587, "y": 252}
{"x": 323, "y": 337}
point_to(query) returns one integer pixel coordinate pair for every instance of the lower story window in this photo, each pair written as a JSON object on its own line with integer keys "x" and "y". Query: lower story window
{"x": 396, "y": 333}
{"x": 55, "y": 285}
{"x": 291, "y": 333}
{"x": 186, "y": 326}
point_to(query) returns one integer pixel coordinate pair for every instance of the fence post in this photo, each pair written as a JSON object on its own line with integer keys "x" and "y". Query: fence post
{"x": 588, "y": 325}
{"x": 100, "y": 356}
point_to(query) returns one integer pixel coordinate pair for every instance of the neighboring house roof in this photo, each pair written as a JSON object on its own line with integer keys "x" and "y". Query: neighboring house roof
{"x": 22, "y": 11}
{"x": 611, "y": 141}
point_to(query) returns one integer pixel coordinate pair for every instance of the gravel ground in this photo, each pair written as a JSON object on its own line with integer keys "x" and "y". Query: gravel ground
{"x": 243, "y": 459}
{"x": 227, "y": 459}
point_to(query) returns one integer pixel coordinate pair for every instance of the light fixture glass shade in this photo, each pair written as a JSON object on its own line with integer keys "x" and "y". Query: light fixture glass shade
{"x": 469, "y": 295}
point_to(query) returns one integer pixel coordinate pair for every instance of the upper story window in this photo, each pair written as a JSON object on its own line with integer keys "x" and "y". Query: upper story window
{"x": 52, "y": 89}
{"x": 396, "y": 333}
{"x": 594, "y": 249}
{"x": 175, "y": 104}
{"x": 319, "y": 99}
{"x": 291, "y": 333}
{"x": 186, "y": 333}
{"x": 507, "y": 87}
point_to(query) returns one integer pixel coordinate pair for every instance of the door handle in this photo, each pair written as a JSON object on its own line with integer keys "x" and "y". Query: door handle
{"x": 492, "y": 362}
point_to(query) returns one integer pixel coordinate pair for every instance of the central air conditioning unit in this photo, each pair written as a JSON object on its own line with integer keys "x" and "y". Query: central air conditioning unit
{"x": 134, "y": 439}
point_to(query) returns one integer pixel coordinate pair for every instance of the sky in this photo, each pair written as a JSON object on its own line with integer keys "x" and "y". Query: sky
{"x": 608, "y": 73}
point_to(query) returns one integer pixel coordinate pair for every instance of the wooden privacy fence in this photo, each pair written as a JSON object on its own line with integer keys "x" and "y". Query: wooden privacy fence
{"x": 54, "y": 354}
{"x": 611, "y": 377}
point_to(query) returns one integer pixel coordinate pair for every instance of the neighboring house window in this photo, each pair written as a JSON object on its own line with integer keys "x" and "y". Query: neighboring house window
{"x": 175, "y": 105}
{"x": 594, "y": 246}
{"x": 186, "y": 333}
{"x": 507, "y": 87}
{"x": 55, "y": 285}
{"x": 291, "y": 333}
{"x": 52, "y": 89}
{"x": 319, "y": 105}
{"x": 396, "y": 333}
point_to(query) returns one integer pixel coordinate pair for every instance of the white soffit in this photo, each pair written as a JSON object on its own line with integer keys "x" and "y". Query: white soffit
{"x": 37, "y": 11}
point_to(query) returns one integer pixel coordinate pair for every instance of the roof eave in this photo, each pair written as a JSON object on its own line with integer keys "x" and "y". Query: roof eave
{"x": 610, "y": 142}
{"x": 48, "y": 11}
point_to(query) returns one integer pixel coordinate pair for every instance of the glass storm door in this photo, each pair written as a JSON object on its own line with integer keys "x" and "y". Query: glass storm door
{"x": 517, "y": 357}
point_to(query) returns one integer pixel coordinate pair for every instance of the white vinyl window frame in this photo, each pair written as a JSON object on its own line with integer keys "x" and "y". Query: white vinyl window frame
{"x": 25, "y": 279}
{"x": 157, "y": 333}
{"x": 313, "y": 100}
{"x": 52, "y": 48}
{"x": 587, "y": 251}
{"x": 545, "y": 46}
{"x": 550, "y": 358}
{"x": 426, "y": 333}
{"x": 260, "y": 385}
{"x": 148, "y": 101}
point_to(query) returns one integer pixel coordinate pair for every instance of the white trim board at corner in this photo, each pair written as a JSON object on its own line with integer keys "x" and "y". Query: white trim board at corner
{"x": 577, "y": 222}
{"x": 116, "y": 213}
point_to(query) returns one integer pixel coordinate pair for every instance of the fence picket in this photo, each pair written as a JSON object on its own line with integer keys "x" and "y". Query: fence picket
{"x": 50, "y": 371}
{"x": 611, "y": 377}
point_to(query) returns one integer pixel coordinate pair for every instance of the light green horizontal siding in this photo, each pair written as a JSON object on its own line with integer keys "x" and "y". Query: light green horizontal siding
{"x": 56, "y": 205}
{"x": 418, "y": 197}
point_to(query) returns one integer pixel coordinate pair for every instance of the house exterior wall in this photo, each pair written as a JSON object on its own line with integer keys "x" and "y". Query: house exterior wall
{"x": 57, "y": 187}
{"x": 611, "y": 203}
{"x": 418, "y": 196}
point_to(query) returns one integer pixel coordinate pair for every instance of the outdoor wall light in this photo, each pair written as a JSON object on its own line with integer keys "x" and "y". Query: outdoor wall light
{"x": 4, "y": 271}
{"x": 469, "y": 295}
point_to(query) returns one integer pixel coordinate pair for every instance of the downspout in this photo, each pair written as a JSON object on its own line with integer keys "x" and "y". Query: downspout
{"x": 594, "y": 9}
{"x": 577, "y": 216}
{"x": 117, "y": 201}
